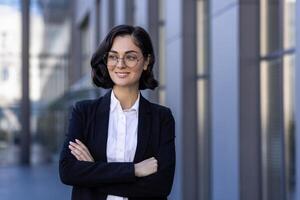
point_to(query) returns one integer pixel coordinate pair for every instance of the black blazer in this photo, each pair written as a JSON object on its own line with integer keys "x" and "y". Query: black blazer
{"x": 95, "y": 180}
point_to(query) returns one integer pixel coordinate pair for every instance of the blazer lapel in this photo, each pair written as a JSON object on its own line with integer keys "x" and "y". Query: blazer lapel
{"x": 102, "y": 119}
{"x": 144, "y": 122}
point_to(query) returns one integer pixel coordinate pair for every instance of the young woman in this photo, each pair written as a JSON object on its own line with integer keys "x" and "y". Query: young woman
{"x": 120, "y": 146}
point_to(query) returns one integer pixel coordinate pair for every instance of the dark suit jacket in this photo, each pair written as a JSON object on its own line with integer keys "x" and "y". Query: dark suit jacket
{"x": 95, "y": 180}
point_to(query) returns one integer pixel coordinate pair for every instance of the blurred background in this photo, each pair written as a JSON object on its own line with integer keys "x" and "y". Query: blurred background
{"x": 227, "y": 69}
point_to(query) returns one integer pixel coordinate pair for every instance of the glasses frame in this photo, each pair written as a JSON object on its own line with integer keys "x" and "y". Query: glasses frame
{"x": 113, "y": 66}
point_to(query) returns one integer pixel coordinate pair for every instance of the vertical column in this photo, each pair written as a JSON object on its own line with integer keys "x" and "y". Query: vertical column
{"x": 249, "y": 80}
{"x": 152, "y": 12}
{"x": 25, "y": 105}
{"x": 189, "y": 100}
{"x": 140, "y": 16}
{"x": 129, "y": 12}
{"x": 297, "y": 100}
{"x": 95, "y": 25}
{"x": 225, "y": 96}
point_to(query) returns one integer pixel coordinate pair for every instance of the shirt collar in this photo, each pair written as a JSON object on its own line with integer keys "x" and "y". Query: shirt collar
{"x": 114, "y": 103}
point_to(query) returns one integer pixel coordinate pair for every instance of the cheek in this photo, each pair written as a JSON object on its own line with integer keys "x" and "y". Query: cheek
{"x": 138, "y": 70}
{"x": 138, "y": 73}
{"x": 110, "y": 72}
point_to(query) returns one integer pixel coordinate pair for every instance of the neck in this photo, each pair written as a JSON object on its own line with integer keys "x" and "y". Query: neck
{"x": 126, "y": 96}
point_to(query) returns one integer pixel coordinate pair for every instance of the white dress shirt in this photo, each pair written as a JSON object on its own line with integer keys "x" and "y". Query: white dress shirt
{"x": 122, "y": 134}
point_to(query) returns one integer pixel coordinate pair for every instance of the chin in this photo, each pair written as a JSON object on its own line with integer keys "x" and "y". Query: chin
{"x": 124, "y": 84}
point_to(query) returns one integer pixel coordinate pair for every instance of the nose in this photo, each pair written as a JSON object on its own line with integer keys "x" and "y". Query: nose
{"x": 120, "y": 63}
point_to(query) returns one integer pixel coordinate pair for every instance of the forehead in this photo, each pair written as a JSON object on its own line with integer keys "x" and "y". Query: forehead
{"x": 123, "y": 44}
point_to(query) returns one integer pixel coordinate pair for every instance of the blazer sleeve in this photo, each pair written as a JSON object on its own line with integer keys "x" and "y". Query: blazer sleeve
{"x": 83, "y": 173}
{"x": 160, "y": 183}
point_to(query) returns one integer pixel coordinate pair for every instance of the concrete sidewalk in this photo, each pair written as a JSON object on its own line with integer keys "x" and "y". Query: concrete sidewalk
{"x": 32, "y": 183}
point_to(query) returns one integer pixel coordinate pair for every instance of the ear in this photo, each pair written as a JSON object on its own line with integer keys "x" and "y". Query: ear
{"x": 146, "y": 63}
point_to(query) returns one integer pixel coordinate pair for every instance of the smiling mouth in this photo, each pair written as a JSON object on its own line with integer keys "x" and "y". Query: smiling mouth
{"x": 122, "y": 74}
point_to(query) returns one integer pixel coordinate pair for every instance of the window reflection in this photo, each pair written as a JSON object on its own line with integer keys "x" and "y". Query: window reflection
{"x": 10, "y": 92}
{"x": 49, "y": 63}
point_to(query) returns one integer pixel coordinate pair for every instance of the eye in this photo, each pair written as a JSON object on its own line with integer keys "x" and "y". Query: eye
{"x": 112, "y": 57}
{"x": 131, "y": 57}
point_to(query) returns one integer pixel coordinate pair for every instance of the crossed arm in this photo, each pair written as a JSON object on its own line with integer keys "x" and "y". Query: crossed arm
{"x": 141, "y": 169}
{"x": 152, "y": 177}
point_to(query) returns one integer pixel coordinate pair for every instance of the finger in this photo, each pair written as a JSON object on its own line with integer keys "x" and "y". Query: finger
{"x": 79, "y": 152}
{"x": 155, "y": 168}
{"x": 86, "y": 156}
{"x": 84, "y": 147}
{"x": 75, "y": 152}
{"x": 75, "y": 155}
{"x": 78, "y": 147}
{"x": 81, "y": 147}
{"x": 81, "y": 144}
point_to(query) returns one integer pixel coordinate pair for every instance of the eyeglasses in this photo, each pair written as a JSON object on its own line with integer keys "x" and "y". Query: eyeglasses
{"x": 130, "y": 59}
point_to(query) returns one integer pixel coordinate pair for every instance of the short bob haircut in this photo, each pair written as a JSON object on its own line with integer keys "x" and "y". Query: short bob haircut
{"x": 141, "y": 38}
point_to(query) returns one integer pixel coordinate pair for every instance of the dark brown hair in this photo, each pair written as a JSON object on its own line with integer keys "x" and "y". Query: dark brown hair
{"x": 141, "y": 38}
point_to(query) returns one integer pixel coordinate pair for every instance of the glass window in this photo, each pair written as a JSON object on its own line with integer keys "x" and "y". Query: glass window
{"x": 10, "y": 80}
{"x": 50, "y": 28}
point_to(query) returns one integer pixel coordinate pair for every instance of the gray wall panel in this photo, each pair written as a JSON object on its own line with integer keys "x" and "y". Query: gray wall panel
{"x": 249, "y": 81}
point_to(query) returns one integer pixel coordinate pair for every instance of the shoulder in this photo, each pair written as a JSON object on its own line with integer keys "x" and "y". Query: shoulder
{"x": 86, "y": 108}
{"x": 85, "y": 104}
{"x": 163, "y": 115}
{"x": 163, "y": 112}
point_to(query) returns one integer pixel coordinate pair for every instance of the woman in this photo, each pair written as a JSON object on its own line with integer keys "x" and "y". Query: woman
{"x": 120, "y": 146}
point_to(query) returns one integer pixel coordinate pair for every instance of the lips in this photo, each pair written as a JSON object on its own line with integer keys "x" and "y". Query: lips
{"x": 122, "y": 74}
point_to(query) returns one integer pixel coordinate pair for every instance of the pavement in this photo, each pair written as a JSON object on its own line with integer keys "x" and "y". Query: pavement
{"x": 40, "y": 181}
{"x": 34, "y": 183}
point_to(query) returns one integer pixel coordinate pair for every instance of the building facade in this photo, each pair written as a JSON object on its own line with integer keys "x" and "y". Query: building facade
{"x": 227, "y": 70}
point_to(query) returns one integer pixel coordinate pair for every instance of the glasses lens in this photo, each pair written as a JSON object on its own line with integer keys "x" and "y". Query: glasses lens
{"x": 131, "y": 60}
{"x": 112, "y": 59}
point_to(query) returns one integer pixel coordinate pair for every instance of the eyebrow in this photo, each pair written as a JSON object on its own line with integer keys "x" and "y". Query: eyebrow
{"x": 131, "y": 51}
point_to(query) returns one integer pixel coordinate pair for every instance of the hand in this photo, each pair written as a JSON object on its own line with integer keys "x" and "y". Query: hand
{"x": 146, "y": 167}
{"x": 80, "y": 151}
